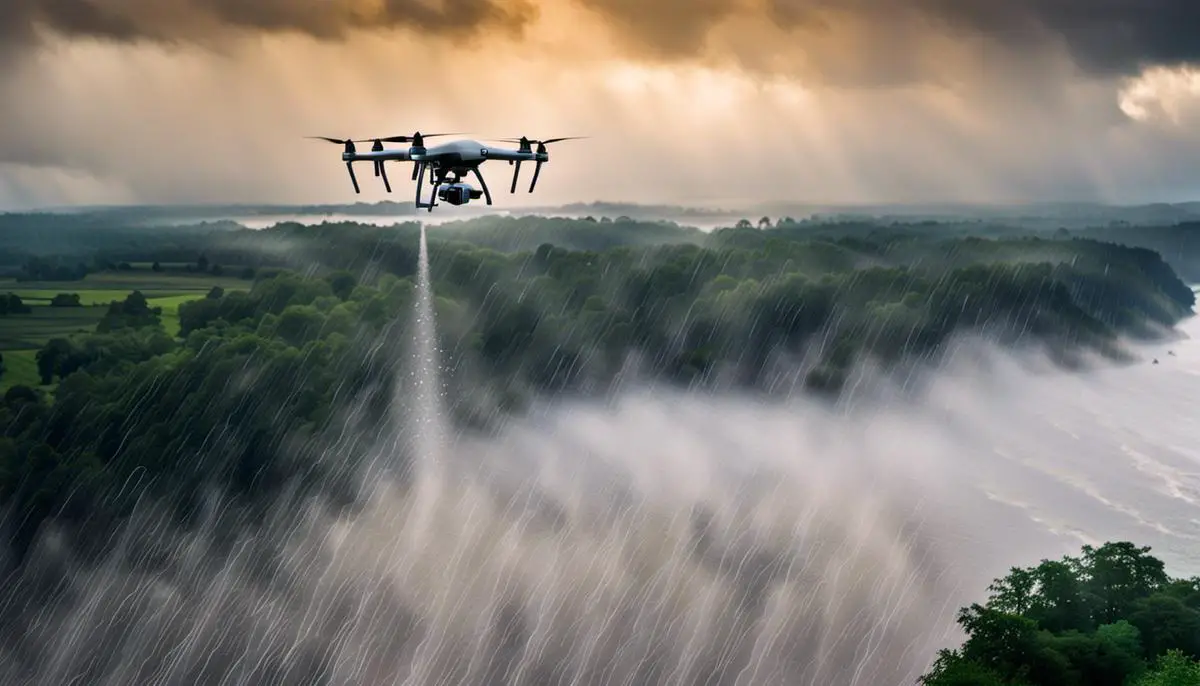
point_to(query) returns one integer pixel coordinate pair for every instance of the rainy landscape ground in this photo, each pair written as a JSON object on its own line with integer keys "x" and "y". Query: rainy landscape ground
{"x": 593, "y": 446}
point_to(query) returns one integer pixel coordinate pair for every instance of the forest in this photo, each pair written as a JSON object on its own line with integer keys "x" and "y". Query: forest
{"x": 229, "y": 359}
{"x": 766, "y": 309}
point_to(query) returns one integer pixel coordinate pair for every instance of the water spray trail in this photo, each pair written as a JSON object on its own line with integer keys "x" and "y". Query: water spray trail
{"x": 428, "y": 422}
{"x": 424, "y": 418}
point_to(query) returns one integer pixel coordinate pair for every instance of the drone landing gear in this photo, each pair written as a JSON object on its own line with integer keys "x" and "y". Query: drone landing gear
{"x": 420, "y": 177}
{"x": 537, "y": 171}
{"x": 380, "y": 171}
{"x": 482, "y": 184}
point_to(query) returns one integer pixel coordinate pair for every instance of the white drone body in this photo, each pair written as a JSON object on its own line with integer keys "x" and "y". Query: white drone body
{"x": 447, "y": 164}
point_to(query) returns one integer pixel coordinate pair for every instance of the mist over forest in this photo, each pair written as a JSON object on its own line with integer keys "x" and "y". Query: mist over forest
{"x": 595, "y": 443}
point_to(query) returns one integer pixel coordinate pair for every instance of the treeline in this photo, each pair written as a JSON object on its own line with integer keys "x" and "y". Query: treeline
{"x": 1111, "y": 616}
{"x": 179, "y": 234}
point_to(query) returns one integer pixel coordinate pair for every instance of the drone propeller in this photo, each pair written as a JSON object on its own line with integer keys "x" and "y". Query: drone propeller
{"x": 415, "y": 138}
{"x": 340, "y": 141}
{"x": 526, "y": 145}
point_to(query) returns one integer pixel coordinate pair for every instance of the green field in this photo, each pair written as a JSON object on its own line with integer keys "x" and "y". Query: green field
{"x": 170, "y": 309}
{"x": 130, "y": 281}
{"x": 92, "y": 296}
{"x": 23, "y": 331}
{"x": 20, "y": 368}
{"x": 22, "y": 334}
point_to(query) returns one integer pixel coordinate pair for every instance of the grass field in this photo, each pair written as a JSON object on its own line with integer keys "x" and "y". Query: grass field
{"x": 129, "y": 281}
{"x": 20, "y": 369}
{"x": 170, "y": 309}
{"x": 93, "y": 296}
{"x": 21, "y": 331}
{"x": 22, "y": 334}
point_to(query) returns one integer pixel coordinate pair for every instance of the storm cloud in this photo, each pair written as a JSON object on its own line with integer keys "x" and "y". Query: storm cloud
{"x": 883, "y": 42}
{"x": 200, "y": 20}
{"x": 811, "y": 100}
{"x": 1116, "y": 37}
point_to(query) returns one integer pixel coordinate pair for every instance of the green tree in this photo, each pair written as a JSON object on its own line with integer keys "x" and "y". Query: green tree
{"x": 343, "y": 283}
{"x": 12, "y": 303}
{"x": 1036, "y": 627}
{"x": 1117, "y": 574}
{"x": 1172, "y": 669}
{"x": 1166, "y": 624}
{"x": 66, "y": 300}
{"x": 52, "y": 357}
{"x": 132, "y": 312}
{"x": 952, "y": 669}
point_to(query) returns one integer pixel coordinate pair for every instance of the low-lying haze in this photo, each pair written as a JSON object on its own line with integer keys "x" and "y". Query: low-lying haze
{"x": 665, "y": 537}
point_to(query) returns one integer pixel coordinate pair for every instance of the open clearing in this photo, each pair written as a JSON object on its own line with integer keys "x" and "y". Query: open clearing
{"x": 22, "y": 334}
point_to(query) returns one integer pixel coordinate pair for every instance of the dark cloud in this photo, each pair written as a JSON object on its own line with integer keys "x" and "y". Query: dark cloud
{"x": 664, "y": 27}
{"x": 197, "y": 20}
{"x": 1104, "y": 37}
{"x": 1109, "y": 37}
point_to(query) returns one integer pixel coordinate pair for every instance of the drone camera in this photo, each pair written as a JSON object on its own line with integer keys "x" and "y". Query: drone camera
{"x": 458, "y": 193}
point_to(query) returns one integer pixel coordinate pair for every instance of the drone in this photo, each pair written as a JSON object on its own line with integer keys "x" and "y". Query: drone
{"x": 447, "y": 164}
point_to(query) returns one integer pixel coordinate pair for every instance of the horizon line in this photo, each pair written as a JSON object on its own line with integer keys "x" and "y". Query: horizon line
{"x": 681, "y": 205}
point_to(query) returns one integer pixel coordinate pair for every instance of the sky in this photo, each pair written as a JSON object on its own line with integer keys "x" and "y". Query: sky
{"x": 684, "y": 101}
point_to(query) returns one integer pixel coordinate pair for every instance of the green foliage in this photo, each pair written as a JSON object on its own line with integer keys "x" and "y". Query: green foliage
{"x": 133, "y": 312}
{"x": 342, "y": 283}
{"x": 11, "y": 303}
{"x": 264, "y": 370}
{"x": 1173, "y": 668}
{"x": 38, "y": 269}
{"x": 1103, "y": 618}
{"x": 66, "y": 300}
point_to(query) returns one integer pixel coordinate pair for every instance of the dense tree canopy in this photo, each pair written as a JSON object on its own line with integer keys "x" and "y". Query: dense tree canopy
{"x": 1109, "y": 616}
{"x": 259, "y": 380}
